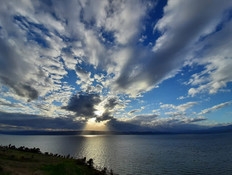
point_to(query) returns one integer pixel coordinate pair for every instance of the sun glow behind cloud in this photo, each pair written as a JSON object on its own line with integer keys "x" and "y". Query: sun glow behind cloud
{"x": 92, "y": 125}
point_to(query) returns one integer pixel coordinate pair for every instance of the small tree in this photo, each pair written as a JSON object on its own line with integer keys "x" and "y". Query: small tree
{"x": 104, "y": 171}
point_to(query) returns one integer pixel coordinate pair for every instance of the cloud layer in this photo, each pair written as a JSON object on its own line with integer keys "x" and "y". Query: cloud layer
{"x": 184, "y": 27}
{"x": 94, "y": 58}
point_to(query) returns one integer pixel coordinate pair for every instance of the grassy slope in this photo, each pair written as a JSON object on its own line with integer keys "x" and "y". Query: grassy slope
{"x": 15, "y": 162}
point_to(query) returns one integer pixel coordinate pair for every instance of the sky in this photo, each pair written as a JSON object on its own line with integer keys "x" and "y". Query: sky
{"x": 130, "y": 65}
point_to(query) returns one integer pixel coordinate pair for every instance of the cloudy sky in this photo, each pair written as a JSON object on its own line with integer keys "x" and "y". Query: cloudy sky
{"x": 124, "y": 65}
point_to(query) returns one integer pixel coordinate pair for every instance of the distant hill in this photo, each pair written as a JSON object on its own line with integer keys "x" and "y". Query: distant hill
{"x": 227, "y": 128}
{"x": 216, "y": 129}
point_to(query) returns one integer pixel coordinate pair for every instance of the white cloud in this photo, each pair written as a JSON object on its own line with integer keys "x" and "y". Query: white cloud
{"x": 216, "y": 107}
{"x": 91, "y": 11}
{"x": 123, "y": 21}
{"x": 181, "y": 98}
{"x": 67, "y": 25}
{"x": 182, "y": 28}
{"x": 186, "y": 106}
{"x": 217, "y": 62}
{"x": 27, "y": 66}
{"x": 179, "y": 110}
{"x": 182, "y": 107}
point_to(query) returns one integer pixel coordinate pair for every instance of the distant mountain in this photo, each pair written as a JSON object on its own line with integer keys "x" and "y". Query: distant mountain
{"x": 227, "y": 128}
{"x": 216, "y": 129}
{"x": 45, "y": 132}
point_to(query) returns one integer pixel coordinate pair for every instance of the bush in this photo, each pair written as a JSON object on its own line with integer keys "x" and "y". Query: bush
{"x": 90, "y": 163}
{"x": 1, "y": 169}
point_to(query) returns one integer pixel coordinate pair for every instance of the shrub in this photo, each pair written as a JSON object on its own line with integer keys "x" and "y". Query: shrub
{"x": 90, "y": 163}
{"x": 1, "y": 169}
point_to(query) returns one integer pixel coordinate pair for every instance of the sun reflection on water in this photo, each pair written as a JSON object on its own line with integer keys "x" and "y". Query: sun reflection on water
{"x": 89, "y": 135}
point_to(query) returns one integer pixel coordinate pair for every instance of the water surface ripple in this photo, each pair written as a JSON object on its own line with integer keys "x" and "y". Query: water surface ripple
{"x": 142, "y": 154}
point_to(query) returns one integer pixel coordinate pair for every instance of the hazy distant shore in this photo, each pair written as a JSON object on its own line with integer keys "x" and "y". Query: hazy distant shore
{"x": 222, "y": 129}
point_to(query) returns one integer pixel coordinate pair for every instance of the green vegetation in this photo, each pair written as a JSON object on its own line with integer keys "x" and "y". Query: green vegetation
{"x": 26, "y": 161}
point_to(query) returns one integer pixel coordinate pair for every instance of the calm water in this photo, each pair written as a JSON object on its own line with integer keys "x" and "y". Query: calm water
{"x": 141, "y": 155}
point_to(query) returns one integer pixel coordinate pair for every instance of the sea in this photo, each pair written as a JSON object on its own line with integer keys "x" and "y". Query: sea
{"x": 175, "y": 154}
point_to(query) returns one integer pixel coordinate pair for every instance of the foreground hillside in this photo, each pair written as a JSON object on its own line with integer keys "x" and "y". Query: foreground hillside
{"x": 25, "y": 161}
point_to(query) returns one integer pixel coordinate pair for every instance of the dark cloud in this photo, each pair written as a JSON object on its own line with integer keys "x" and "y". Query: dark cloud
{"x": 177, "y": 124}
{"x": 13, "y": 69}
{"x": 173, "y": 125}
{"x": 105, "y": 116}
{"x": 156, "y": 124}
{"x": 26, "y": 91}
{"x": 123, "y": 126}
{"x": 26, "y": 121}
{"x": 83, "y": 104}
{"x": 133, "y": 111}
{"x": 111, "y": 103}
{"x": 15, "y": 121}
{"x": 23, "y": 90}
